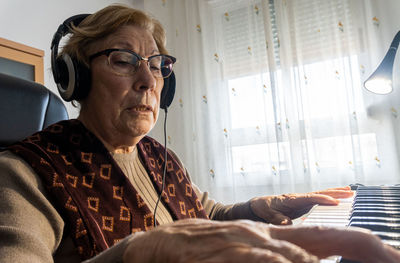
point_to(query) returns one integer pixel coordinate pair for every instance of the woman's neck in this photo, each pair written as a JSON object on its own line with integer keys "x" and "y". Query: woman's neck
{"x": 111, "y": 145}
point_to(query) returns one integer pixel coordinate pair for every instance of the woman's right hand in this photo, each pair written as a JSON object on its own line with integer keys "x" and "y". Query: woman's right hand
{"x": 200, "y": 241}
{"x": 352, "y": 243}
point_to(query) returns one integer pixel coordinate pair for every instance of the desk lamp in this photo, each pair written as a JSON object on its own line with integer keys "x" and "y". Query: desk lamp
{"x": 380, "y": 82}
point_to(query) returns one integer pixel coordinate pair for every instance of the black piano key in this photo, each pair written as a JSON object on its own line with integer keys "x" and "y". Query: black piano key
{"x": 382, "y": 208}
{"x": 374, "y": 219}
{"x": 378, "y": 196}
{"x": 378, "y": 188}
{"x": 392, "y": 205}
{"x": 343, "y": 260}
{"x": 387, "y": 235}
{"x": 375, "y": 213}
{"x": 377, "y": 193}
{"x": 378, "y": 209}
{"x": 377, "y": 226}
{"x": 378, "y": 201}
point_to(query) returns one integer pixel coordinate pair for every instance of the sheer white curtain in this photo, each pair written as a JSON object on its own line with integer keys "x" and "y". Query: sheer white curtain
{"x": 270, "y": 100}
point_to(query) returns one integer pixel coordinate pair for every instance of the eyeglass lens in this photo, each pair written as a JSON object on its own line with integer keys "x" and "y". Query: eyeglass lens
{"x": 126, "y": 63}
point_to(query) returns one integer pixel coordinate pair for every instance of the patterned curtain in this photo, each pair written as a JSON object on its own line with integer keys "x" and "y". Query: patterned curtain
{"x": 270, "y": 98}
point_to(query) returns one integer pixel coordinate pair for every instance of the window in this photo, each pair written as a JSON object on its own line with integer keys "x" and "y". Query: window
{"x": 283, "y": 111}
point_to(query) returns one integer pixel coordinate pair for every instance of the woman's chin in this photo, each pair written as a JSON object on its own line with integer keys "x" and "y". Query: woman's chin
{"x": 140, "y": 130}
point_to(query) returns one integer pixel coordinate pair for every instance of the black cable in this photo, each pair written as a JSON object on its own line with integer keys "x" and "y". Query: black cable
{"x": 165, "y": 166}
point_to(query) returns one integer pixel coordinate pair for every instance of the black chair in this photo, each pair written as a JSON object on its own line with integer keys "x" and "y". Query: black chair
{"x": 25, "y": 108}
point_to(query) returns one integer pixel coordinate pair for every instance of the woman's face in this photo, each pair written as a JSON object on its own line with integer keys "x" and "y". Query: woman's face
{"x": 121, "y": 110}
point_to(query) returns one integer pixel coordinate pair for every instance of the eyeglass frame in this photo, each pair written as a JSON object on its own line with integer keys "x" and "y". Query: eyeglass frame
{"x": 108, "y": 51}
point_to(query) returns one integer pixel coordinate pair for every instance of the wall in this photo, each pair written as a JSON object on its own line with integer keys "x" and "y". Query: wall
{"x": 33, "y": 23}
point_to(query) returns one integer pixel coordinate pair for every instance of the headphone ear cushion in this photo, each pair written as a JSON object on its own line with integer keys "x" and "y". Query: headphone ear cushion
{"x": 83, "y": 81}
{"x": 73, "y": 78}
{"x": 168, "y": 91}
{"x": 61, "y": 75}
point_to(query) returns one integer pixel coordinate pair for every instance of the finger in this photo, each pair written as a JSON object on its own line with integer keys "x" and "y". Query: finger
{"x": 277, "y": 218}
{"x": 352, "y": 243}
{"x": 316, "y": 240}
{"x": 252, "y": 234}
{"x": 240, "y": 231}
{"x": 340, "y": 188}
{"x": 391, "y": 256}
{"x": 239, "y": 253}
{"x": 303, "y": 200}
{"x": 290, "y": 251}
{"x": 336, "y": 193}
{"x": 268, "y": 212}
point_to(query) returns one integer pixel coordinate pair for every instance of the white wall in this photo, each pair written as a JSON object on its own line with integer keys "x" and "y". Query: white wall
{"x": 33, "y": 23}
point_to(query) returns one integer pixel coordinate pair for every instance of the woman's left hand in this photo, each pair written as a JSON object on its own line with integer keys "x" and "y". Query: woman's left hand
{"x": 281, "y": 209}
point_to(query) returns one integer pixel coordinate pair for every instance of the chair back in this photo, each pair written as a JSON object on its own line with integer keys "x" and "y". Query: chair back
{"x": 25, "y": 108}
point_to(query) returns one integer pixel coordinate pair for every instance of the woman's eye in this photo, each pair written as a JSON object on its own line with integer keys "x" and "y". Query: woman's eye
{"x": 155, "y": 68}
{"x": 121, "y": 62}
{"x": 121, "y": 59}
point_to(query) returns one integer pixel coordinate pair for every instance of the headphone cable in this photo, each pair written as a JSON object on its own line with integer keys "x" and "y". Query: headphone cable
{"x": 164, "y": 168}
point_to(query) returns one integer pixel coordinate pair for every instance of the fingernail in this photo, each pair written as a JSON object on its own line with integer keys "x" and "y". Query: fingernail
{"x": 284, "y": 222}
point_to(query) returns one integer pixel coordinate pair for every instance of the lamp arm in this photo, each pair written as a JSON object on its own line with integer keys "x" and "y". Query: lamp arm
{"x": 395, "y": 41}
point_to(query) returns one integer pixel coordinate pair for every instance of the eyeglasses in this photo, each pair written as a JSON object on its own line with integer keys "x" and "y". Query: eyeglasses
{"x": 125, "y": 62}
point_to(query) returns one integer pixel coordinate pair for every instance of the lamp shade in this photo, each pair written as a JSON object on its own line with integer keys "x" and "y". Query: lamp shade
{"x": 380, "y": 82}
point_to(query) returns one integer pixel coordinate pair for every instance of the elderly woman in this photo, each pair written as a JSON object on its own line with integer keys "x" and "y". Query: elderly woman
{"x": 87, "y": 189}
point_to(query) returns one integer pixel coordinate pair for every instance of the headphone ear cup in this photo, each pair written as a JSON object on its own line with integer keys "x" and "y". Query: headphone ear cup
{"x": 65, "y": 76}
{"x": 168, "y": 91}
{"x": 73, "y": 78}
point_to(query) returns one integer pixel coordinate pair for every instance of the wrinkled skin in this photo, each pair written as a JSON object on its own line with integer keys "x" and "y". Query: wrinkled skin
{"x": 201, "y": 241}
{"x": 206, "y": 241}
{"x": 281, "y": 209}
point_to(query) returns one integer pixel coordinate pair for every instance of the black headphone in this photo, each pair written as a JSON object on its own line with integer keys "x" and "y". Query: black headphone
{"x": 73, "y": 77}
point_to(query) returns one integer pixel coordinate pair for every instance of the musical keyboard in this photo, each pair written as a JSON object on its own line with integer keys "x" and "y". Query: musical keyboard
{"x": 376, "y": 208}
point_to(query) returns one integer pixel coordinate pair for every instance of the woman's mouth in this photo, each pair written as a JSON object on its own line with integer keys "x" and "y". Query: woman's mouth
{"x": 141, "y": 108}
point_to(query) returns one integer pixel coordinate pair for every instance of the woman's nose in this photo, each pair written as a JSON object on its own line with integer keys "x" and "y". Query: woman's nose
{"x": 144, "y": 77}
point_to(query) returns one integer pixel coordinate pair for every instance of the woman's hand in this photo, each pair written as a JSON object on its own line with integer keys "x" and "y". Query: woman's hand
{"x": 280, "y": 209}
{"x": 206, "y": 241}
{"x": 201, "y": 241}
{"x": 351, "y": 243}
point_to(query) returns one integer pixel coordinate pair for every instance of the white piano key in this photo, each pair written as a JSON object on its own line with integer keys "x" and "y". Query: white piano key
{"x": 394, "y": 243}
